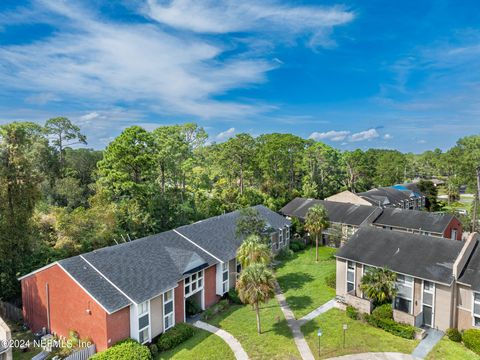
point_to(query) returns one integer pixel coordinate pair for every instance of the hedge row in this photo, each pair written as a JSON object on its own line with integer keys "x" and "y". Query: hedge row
{"x": 175, "y": 336}
{"x": 128, "y": 349}
{"x": 391, "y": 326}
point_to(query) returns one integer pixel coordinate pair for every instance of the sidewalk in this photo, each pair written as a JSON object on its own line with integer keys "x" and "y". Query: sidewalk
{"x": 234, "y": 344}
{"x": 428, "y": 343}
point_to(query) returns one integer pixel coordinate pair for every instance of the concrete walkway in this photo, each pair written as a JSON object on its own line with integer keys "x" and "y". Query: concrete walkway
{"x": 234, "y": 344}
{"x": 294, "y": 326}
{"x": 317, "y": 312}
{"x": 427, "y": 344}
{"x": 376, "y": 356}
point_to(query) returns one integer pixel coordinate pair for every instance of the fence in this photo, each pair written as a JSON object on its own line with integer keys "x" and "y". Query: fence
{"x": 83, "y": 354}
{"x": 10, "y": 312}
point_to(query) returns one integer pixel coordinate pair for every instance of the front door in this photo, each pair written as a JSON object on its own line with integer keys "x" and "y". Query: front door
{"x": 427, "y": 315}
{"x": 428, "y": 303}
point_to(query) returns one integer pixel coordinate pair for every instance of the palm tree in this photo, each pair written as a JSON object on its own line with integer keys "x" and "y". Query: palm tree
{"x": 316, "y": 222}
{"x": 452, "y": 190}
{"x": 254, "y": 250}
{"x": 378, "y": 285}
{"x": 256, "y": 285}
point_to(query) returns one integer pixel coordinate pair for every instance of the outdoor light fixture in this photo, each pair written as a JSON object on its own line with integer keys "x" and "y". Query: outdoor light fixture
{"x": 319, "y": 334}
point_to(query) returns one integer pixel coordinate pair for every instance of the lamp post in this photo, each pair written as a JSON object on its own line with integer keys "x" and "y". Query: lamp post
{"x": 345, "y": 327}
{"x": 319, "y": 334}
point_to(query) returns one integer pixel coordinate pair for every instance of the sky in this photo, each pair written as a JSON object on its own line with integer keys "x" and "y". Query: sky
{"x": 354, "y": 74}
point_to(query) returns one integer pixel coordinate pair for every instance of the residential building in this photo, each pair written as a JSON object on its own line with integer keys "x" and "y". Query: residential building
{"x": 348, "y": 197}
{"x": 437, "y": 279}
{"x": 397, "y": 196}
{"x": 349, "y": 217}
{"x": 344, "y": 217}
{"x": 5, "y": 340}
{"x": 139, "y": 289}
{"x": 420, "y": 222}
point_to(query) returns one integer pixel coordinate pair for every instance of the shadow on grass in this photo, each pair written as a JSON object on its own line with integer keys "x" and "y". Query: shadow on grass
{"x": 299, "y": 302}
{"x": 294, "y": 280}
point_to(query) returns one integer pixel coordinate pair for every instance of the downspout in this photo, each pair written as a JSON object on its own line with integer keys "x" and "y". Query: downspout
{"x": 47, "y": 291}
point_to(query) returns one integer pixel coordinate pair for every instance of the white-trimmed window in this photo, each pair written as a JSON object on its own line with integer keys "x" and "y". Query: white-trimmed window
{"x": 144, "y": 322}
{"x": 288, "y": 232}
{"x": 476, "y": 309}
{"x": 350, "y": 276}
{"x": 193, "y": 283}
{"x": 280, "y": 237}
{"x": 168, "y": 310}
{"x": 404, "y": 299}
{"x": 225, "y": 286}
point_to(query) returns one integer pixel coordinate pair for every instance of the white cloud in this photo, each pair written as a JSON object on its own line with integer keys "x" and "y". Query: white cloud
{"x": 329, "y": 135}
{"x": 387, "y": 136}
{"x": 227, "y": 16}
{"x": 89, "y": 116}
{"x": 225, "y": 135}
{"x": 422, "y": 141}
{"x": 364, "y": 135}
{"x": 169, "y": 72}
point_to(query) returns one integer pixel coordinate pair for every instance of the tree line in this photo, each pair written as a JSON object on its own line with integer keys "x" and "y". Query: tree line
{"x": 58, "y": 198}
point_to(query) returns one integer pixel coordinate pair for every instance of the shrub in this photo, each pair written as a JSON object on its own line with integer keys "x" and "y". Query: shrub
{"x": 284, "y": 254}
{"x": 454, "y": 335}
{"x": 192, "y": 307}
{"x": 128, "y": 349}
{"x": 153, "y": 349}
{"x": 471, "y": 339}
{"x": 297, "y": 245}
{"x": 233, "y": 296}
{"x": 175, "y": 336}
{"x": 384, "y": 311}
{"x": 352, "y": 313}
{"x": 331, "y": 280}
{"x": 391, "y": 326}
{"x": 222, "y": 305}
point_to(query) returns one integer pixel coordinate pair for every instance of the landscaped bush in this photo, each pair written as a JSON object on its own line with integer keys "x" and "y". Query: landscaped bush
{"x": 296, "y": 246}
{"x": 192, "y": 307}
{"x": 175, "y": 336}
{"x": 153, "y": 349}
{"x": 391, "y": 326}
{"x": 331, "y": 280}
{"x": 454, "y": 335}
{"x": 233, "y": 297}
{"x": 128, "y": 349}
{"x": 471, "y": 339}
{"x": 284, "y": 254}
{"x": 222, "y": 305}
{"x": 384, "y": 311}
{"x": 352, "y": 313}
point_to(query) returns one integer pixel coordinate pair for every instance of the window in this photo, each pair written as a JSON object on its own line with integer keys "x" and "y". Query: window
{"x": 476, "y": 309}
{"x": 403, "y": 300}
{"x": 193, "y": 283}
{"x": 238, "y": 267}
{"x": 280, "y": 237}
{"x": 350, "y": 276}
{"x": 288, "y": 233}
{"x": 143, "y": 322}
{"x": 168, "y": 317}
{"x": 225, "y": 277}
{"x": 428, "y": 295}
{"x": 454, "y": 234}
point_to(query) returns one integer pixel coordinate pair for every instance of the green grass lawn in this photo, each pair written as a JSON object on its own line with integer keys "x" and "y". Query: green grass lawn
{"x": 360, "y": 337}
{"x": 303, "y": 280}
{"x": 450, "y": 350}
{"x": 275, "y": 341}
{"x": 19, "y": 334}
{"x": 202, "y": 346}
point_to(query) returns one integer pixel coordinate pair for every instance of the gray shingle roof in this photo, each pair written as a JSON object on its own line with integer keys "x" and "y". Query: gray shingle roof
{"x": 387, "y": 196}
{"x": 414, "y": 219}
{"x": 110, "y": 298}
{"x": 144, "y": 268}
{"x": 471, "y": 272}
{"x": 218, "y": 236}
{"x": 427, "y": 257}
{"x": 344, "y": 213}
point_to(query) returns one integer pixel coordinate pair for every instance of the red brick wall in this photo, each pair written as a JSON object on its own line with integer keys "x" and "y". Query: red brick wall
{"x": 179, "y": 303}
{"x": 118, "y": 326}
{"x": 68, "y": 309}
{"x": 454, "y": 224}
{"x": 210, "y": 287}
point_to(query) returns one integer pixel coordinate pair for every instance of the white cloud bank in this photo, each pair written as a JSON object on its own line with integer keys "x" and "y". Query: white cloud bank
{"x": 156, "y": 62}
{"x": 225, "y": 135}
{"x": 334, "y": 135}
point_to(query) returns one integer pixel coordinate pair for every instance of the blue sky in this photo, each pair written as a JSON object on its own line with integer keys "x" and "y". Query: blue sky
{"x": 389, "y": 74}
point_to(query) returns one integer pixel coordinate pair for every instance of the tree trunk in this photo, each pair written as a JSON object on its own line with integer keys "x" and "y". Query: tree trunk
{"x": 257, "y": 311}
{"x": 316, "y": 247}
